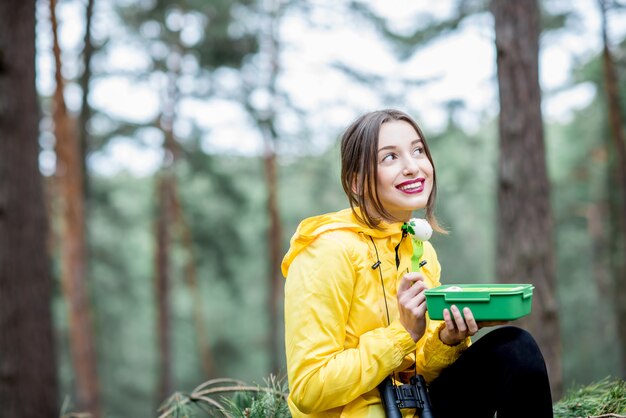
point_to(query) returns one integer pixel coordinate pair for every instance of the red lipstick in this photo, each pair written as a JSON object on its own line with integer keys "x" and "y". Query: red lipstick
{"x": 412, "y": 186}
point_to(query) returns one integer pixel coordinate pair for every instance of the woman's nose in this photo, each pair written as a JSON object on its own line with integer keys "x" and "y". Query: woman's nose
{"x": 410, "y": 167}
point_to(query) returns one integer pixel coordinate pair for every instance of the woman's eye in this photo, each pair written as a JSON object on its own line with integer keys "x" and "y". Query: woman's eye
{"x": 387, "y": 157}
{"x": 418, "y": 150}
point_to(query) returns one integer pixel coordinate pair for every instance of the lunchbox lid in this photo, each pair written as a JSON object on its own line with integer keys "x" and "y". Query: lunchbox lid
{"x": 479, "y": 292}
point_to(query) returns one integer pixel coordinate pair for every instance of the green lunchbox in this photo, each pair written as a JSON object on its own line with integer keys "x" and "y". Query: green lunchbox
{"x": 488, "y": 302}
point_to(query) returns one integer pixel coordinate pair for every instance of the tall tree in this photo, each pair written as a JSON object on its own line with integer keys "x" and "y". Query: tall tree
{"x": 525, "y": 227}
{"x": 264, "y": 116}
{"x": 611, "y": 86}
{"x": 85, "y": 79}
{"x": 163, "y": 282}
{"x": 28, "y": 376}
{"x": 271, "y": 45}
{"x": 218, "y": 46}
{"x": 69, "y": 176}
{"x": 191, "y": 280}
{"x": 164, "y": 230}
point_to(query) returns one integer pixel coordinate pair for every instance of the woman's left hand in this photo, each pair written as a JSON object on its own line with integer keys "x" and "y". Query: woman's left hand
{"x": 459, "y": 328}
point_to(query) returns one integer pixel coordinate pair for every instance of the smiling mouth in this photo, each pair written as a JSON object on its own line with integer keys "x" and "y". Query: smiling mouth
{"x": 412, "y": 186}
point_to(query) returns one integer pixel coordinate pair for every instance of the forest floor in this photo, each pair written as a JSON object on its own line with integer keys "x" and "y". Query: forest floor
{"x": 603, "y": 399}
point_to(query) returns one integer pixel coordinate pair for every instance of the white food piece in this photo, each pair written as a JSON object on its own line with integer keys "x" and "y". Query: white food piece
{"x": 423, "y": 230}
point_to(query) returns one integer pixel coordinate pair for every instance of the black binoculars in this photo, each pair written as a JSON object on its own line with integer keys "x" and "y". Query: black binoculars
{"x": 411, "y": 395}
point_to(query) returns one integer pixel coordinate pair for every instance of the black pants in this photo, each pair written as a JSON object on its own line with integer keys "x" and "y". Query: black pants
{"x": 502, "y": 372}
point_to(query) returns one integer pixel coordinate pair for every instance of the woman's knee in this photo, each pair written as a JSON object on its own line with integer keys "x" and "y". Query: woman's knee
{"x": 518, "y": 348}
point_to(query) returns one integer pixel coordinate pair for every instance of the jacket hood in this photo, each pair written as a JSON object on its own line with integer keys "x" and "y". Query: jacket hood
{"x": 311, "y": 228}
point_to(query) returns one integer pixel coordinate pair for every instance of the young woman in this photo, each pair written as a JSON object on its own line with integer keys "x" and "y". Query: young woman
{"x": 355, "y": 313}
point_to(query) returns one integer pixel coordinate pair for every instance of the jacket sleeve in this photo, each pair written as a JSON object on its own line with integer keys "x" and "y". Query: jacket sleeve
{"x": 432, "y": 355}
{"x": 322, "y": 373}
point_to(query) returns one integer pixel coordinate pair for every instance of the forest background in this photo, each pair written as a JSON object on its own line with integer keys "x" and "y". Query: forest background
{"x": 181, "y": 142}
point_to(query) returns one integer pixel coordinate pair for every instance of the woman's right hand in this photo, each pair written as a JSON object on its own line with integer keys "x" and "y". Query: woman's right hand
{"x": 412, "y": 304}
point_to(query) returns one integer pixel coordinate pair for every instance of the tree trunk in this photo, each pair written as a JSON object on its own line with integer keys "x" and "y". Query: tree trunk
{"x": 525, "y": 239}
{"x": 163, "y": 285}
{"x": 191, "y": 279}
{"x": 178, "y": 215}
{"x": 266, "y": 120}
{"x": 611, "y": 84}
{"x": 28, "y": 375}
{"x": 73, "y": 246}
{"x": 595, "y": 214}
{"x": 165, "y": 218}
{"x": 85, "y": 109}
{"x": 274, "y": 236}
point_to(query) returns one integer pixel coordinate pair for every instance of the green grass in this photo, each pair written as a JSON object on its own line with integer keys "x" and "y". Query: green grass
{"x": 270, "y": 403}
{"x": 602, "y": 398}
{"x": 229, "y": 398}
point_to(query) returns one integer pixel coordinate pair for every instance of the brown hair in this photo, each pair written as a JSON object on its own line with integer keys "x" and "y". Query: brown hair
{"x": 359, "y": 166}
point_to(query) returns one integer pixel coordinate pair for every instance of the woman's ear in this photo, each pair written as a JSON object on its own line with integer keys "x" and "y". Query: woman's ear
{"x": 357, "y": 186}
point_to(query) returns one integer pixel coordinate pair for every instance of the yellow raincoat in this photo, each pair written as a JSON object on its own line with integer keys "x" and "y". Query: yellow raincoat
{"x": 339, "y": 345}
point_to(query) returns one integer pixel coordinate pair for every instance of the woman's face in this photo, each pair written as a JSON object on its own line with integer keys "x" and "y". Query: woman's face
{"x": 405, "y": 175}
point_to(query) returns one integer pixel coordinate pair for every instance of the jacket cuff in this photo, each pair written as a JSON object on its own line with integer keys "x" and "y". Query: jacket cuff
{"x": 442, "y": 353}
{"x": 401, "y": 338}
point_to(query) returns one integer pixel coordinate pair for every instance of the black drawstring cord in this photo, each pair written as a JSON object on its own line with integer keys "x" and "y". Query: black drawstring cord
{"x": 375, "y": 266}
